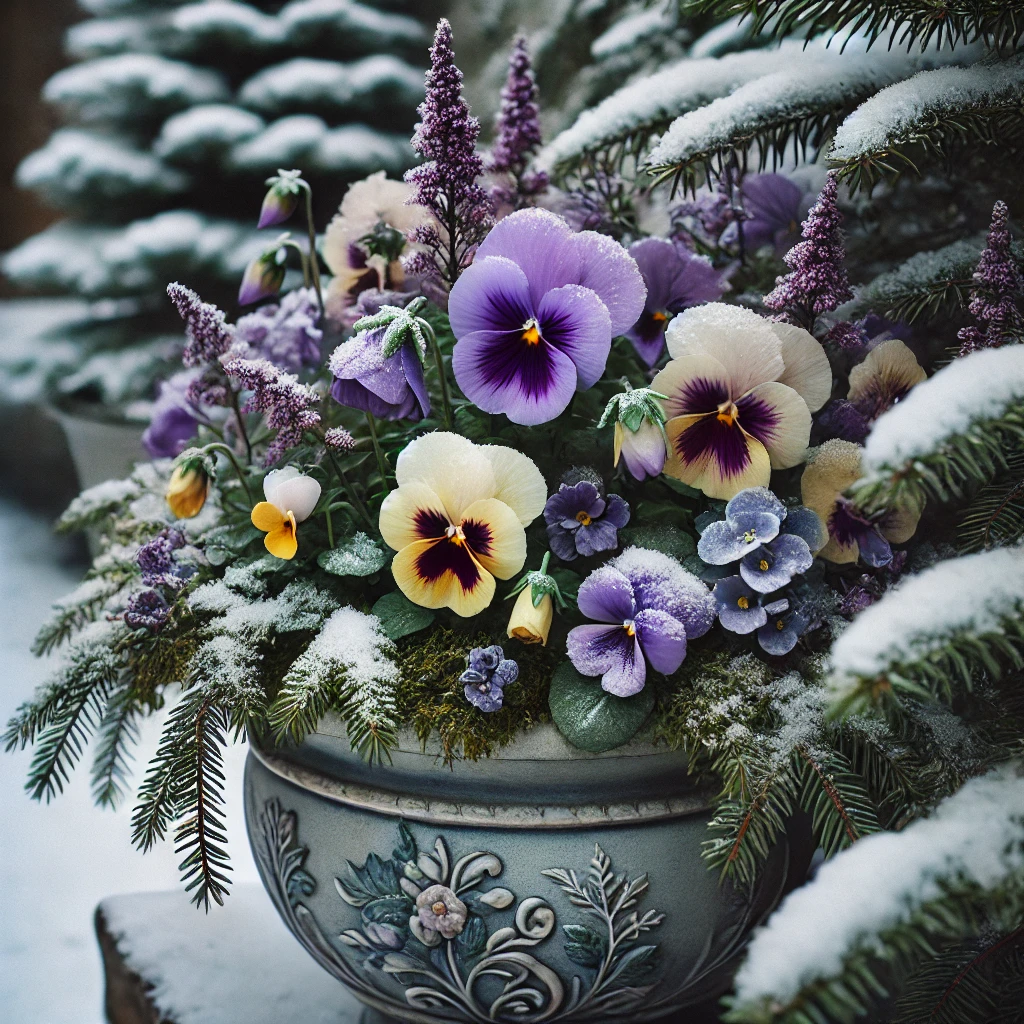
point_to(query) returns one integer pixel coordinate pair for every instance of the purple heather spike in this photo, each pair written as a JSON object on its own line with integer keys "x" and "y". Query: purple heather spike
{"x": 817, "y": 281}
{"x": 209, "y": 337}
{"x": 998, "y": 285}
{"x": 446, "y": 183}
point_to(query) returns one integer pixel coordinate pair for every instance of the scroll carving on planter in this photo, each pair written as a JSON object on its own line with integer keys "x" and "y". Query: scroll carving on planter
{"x": 424, "y": 919}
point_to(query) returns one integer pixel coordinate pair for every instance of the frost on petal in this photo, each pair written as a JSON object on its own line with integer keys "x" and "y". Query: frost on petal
{"x": 606, "y": 596}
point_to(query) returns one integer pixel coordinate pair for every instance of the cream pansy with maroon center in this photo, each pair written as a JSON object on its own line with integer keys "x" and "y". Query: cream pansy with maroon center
{"x": 740, "y": 392}
{"x": 458, "y": 519}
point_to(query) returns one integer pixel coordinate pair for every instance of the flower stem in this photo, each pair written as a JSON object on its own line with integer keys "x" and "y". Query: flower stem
{"x": 446, "y": 398}
{"x": 314, "y": 260}
{"x": 382, "y": 462}
{"x": 330, "y": 527}
{"x": 217, "y": 446}
{"x": 233, "y": 399}
{"x": 355, "y": 500}
{"x": 303, "y": 260}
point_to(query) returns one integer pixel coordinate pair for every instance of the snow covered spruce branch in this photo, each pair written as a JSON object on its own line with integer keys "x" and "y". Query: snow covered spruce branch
{"x": 951, "y": 434}
{"x": 937, "y": 633}
{"x": 790, "y": 111}
{"x": 896, "y": 23}
{"x": 938, "y": 114}
{"x": 888, "y": 902}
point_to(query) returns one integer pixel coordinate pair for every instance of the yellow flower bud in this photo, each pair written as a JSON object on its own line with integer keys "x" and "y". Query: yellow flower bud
{"x": 187, "y": 490}
{"x": 529, "y": 624}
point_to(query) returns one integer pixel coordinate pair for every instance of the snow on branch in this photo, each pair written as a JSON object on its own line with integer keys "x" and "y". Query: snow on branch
{"x": 784, "y": 113}
{"x": 827, "y": 928}
{"x": 208, "y": 130}
{"x": 940, "y": 110}
{"x": 79, "y": 168}
{"x": 955, "y": 619}
{"x": 630, "y": 116}
{"x": 951, "y": 431}
{"x": 133, "y": 86}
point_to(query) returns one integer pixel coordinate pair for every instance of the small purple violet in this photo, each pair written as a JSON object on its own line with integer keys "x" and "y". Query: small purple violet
{"x": 647, "y": 606}
{"x": 487, "y": 674}
{"x": 785, "y": 626}
{"x": 582, "y": 522}
{"x": 773, "y": 206}
{"x": 817, "y": 281}
{"x": 446, "y": 183}
{"x": 146, "y": 609}
{"x": 535, "y": 314}
{"x": 676, "y": 279}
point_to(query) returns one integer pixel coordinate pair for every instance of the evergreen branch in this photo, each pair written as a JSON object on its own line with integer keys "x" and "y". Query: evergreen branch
{"x": 939, "y": 117}
{"x": 909, "y": 23}
{"x": 111, "y": 762}
{"x": 837, "y": 799}
{"x": 75, "y": 611}
{"x": 995, "y": 516}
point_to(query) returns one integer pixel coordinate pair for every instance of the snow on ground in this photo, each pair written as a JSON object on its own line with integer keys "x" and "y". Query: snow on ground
{"x": 58, "y": 861}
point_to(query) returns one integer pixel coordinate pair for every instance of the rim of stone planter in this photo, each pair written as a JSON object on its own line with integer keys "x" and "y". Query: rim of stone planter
{"x": 105, "y": 443}
{"x": 538, "y": 781}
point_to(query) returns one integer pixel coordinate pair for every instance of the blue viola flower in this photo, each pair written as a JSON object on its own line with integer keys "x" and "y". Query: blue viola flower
{"x": 739, "y": 605}
{"x": 582, "y": 522}
{"x": 783, "y": 628}
{"x": 486, "y": 677}
{"x": 773, "y": 565}
{"x": 752, "y": 518}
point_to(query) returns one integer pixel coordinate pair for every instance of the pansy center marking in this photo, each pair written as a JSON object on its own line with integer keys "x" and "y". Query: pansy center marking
{"x": 456, "y": 534}
{"x": 630, "y": 627}
{"x": 583, "y": 518}
{"x": 763, "y": 565}
{"x": 728, "y": 413}
{"x": 750, "y": 536}
{"x": 743, "y": 601}
{"x": 531, "y": 332}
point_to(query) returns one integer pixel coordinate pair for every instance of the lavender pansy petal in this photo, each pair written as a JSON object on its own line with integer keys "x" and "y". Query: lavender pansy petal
{"x": 627, "y": 673}
{"x": 662, "y": 640}
{"x": 773, "y": 566}
{"x": 490, "y": 295}
{"x": 489, "y": 701}
{"x": 506, "y": 672}
{"x": 656, "y": 259}
{"x": 501, "y": 373}
{"x": 540, "y": 242}
{"x": 874, "y": 549}
{"x": 755, "y": 499}
{"x": 729, "y": 595}
{"x": 414, "y": 375}
{"x": 606, "y": 596}
{"x": 775, "y": 607}
{"x": 600, "y": 535}
{"x": 575, "y": 320}
{"x": 611, "y": 272}
{"x": 648, "y": 338}
{"x": 777, "y": 641}
{"x": 592, "y": 649}
{"x": 806, "y": 523}
{"x": 726, "y": 540}
{"x": 561, "y": 543}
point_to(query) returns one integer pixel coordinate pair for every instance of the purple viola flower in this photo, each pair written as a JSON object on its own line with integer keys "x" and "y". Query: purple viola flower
{"x": 774, "y": 564}
{"x": 535, "y": 314}
{"x": 582, "y": 522}
{"x": 848, "y": 526}
{"x": 146, "y": 609}
{"x": 646, "y": 606}
{"x": 784, "y": 627}
{"x": 174, "y": 420}
{"x": 285, "y": 333}
{"x": 486, "y": 677}
{"x": 676, "y": 279}
{"x": 774, "y": 207}
{"x": 390, "y": 388}
{"x": 752, "y": 518}
{"x": 739, "y": 605}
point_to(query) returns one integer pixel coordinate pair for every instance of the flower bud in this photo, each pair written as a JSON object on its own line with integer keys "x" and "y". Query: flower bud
{"x": 531, "y": 624}
{"x": 643, "y": 450}
{"x": 188, "y": 488}
{"x": 263, "y": 277}
{"x": 281, "y": 199}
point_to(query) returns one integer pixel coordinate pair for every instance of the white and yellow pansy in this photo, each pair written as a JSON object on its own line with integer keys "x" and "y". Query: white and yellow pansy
{"x": 458, "y": 519}
{"x": 291, "y": 497}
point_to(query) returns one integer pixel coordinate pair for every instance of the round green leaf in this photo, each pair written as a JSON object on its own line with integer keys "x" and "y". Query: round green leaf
{"x": 590, "y": 718}
{"x": 399, "y": 616}
{"x": 357, "y": 556}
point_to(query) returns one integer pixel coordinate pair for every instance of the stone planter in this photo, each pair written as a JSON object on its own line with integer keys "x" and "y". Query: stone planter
{"x": 103, "y": 446}
{"x": 542, "y": 884}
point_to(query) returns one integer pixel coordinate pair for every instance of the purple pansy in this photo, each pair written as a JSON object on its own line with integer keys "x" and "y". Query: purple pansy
{"x": 676, "y": 279}
{"x": 774, "y": 207}
{"x": 647, "y": 606}
{"x": 582, "y": 522}
{"x": 488, "y": 674}
{"x": 174, "y": 420}
{"x": 783, "y": 629}
{"x": 390, "y": 388}
{"x": 848, "y": 526}
{"x": 739, "y": 605}
{"x": 535, "y": 314}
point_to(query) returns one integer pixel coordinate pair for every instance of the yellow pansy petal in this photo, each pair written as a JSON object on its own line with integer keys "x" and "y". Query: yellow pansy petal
{"x": 495, "y": 536}
{"x": 841, "y": 554}
{"x": 443, "y": 574}
{"x": 411, "y": 513}
{"x": 454, "y": 468}
{"x": 267, "y": 517}
{"x": 779, "y": 418}
{"x": 830, "y": 470}
{"x": 282, "y": 542}
{"x": 716, "y": 483}
{"x": 519, "y": 482}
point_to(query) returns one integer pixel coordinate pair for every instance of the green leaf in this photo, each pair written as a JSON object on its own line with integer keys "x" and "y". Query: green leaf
{"x": 399, "y": 616}
{"x": 358, "y": 556}
{"x": 583, "y": 945}
{"x": 636, "y": 965}
{"x": 590, "y": 718}
{"x": 406, "y": 848}
{"x": 473, "y": 938}
{"x": 667, "y": 539}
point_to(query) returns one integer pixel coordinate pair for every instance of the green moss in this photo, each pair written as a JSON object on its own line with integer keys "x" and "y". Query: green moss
{"x": 431, "y": 697}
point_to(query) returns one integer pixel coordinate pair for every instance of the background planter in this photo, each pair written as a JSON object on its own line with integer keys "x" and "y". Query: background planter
{"x": 103, "y": 446}
{"x": 543, "y": 884}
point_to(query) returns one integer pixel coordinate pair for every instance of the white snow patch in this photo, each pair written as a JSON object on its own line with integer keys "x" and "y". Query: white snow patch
{"x": 974, "y": 593}
{"x": 878, "y": 883}
{"x": 238, "y": 21}
{"x": 634, "y": 28}
{"x": 886, "y": 116}
{"x": 104, "y": 37}
{"x": 207, "y": 127}
{"x": 980, "y": 386}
